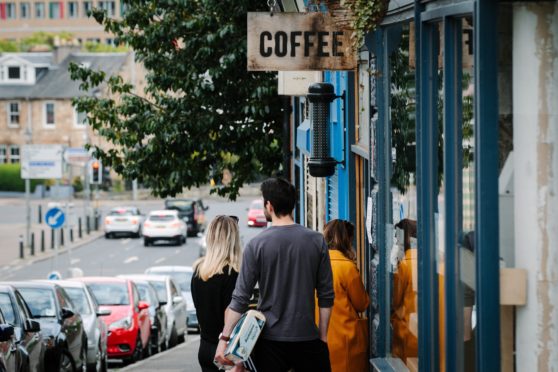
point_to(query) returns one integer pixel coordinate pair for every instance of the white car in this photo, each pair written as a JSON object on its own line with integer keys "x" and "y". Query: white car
{"x": 183, "y": 276}
{"x": 164, "y": 225}
{"x": 123, "y": 220}
{"x": 172, "y": 302}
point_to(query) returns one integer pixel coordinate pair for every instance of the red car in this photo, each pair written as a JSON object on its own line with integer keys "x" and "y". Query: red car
{"x": 129, "y": 325}
{"x": 256, "y": 216}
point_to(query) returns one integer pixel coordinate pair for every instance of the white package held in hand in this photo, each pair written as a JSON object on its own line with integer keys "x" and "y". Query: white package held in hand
{"x": 244, "y": 336}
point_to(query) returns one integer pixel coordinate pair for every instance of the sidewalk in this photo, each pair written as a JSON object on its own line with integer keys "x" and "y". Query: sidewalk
{"x": 182, "y": 358}
{"x": 12, "y": 230}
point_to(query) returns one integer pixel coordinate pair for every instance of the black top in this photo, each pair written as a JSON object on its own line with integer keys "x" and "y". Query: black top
{"x": 211, "y": 298}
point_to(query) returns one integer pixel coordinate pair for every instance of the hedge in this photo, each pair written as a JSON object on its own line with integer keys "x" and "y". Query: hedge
{"x": 10, "y": 178}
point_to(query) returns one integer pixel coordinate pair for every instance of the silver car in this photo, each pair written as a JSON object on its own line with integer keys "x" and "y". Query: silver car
{"x": 159, "y": 330}
{"x": 183, "y": 276}
{"x": 172, "y": 302}
{"x": 95, "y": 328}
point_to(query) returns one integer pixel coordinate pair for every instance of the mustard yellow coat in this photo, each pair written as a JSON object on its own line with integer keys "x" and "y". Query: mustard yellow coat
{"x": 404, "y": 343}
{"x": 348, "y": 348}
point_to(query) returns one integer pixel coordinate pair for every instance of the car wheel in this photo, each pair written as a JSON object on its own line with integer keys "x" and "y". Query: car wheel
{"x": 107, "y": 235}
{"x": 155, "y": 342}
{"x": 66, "y": 362}
{"x": 138, "y": 351}
{"x": 146, "y": 242}
{"x": 173, "y": 340}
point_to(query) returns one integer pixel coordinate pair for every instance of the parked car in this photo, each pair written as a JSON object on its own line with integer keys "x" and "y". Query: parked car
{"x": 95, "y": 328}
{"x": 164, "y": 225}
{"x": 61, "y": 325}
{"x": 123, "y": 220}
{"x": 27, "y": 334}
{"x": 159, "y": 331}
{"x": 183, "y": 277}
{"x": 256, "y": 215}
{"x": 8, "y": 359}
{"x": 174, "y": 306}
{"x": 129, "y": 328}
{"x": 191, "y": 211}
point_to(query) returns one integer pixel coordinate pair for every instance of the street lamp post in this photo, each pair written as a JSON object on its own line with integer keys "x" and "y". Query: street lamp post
{"x": 28, "y": 137}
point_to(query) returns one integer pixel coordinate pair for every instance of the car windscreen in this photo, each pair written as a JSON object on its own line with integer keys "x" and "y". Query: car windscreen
{"x": 161, "y": 289}
{"x": 181, "y": 205}
{"x": 182, "y": 278}
{"x": 258, "y": 204}
{"x": 41, "y": 302}
{"x": 162, "y": 218}
{"x": 7, "y": 308}
{"x": 79, "y": 299}
{"x": 121, "y": 212}
{"x": 110, "y": 293}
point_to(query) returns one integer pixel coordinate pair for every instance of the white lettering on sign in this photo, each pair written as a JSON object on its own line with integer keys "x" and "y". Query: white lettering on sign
{"x": 298, "y": 41}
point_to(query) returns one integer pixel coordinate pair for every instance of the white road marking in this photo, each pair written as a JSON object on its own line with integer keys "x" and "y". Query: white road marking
{"x": 74, "y": 261}
{"x": 125, "y": 241}
{"x": 131, "y": 259}
{"x": 159, "y": 260}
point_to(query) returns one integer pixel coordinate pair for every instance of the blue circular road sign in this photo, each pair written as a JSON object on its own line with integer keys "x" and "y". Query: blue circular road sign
{"x": 54, "y": 275}
{"x": 55, "y": 218}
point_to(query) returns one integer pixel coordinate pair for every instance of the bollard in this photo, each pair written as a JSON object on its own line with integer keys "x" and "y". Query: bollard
{"x": 87, "y": 225}
{"x": 21, "y": 252}
{"x": 32, "y": 244}
{"x": 42, "y": 240}
{"x": 79, "y": 227}
{"x": 62, "y": 237}
{"x": 40, "y": 213}
{"x": 96, "y": 221}
{"x": 51, "y": 238}
{"x": 71, "y": 235}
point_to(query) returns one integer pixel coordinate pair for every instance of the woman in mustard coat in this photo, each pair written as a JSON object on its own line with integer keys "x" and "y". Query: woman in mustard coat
{"x": 346, "y": 339}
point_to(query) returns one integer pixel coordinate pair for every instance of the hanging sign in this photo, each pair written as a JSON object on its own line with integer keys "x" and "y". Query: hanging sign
{"x": 297, "y": 42}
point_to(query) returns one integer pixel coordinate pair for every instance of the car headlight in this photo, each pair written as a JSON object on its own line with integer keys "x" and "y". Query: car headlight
{"x": 125, "y": 323}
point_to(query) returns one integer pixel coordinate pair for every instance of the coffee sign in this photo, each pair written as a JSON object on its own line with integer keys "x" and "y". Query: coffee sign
{"x": 297, "y": 42}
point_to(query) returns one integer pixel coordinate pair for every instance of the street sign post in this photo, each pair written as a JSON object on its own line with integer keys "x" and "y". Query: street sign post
{"x": 41, "y": 161}
{"x": 78, "y": 156}
{"x": 54, "y": 275}
{"x": 55, "y": 218}
{"x": 38, "y": 162}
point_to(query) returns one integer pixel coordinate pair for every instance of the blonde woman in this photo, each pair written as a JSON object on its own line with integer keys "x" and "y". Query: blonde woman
{"x": 213, "y": 284}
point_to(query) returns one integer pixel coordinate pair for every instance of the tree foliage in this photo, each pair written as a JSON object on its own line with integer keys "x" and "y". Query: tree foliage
{"x": 201, "y": 111}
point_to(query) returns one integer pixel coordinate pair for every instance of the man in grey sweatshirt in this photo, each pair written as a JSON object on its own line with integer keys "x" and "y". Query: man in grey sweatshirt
{"x": 291, "y": 264}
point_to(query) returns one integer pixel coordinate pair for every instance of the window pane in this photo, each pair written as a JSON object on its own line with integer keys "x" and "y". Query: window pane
{"x": 11, "y": 10}
{"x": 14, "y": 73}
{"x": 404, "y": 319}
{"x": 39, "y": 10}
{"x": 24, "y": 10}
{"x": 50, "y": 113}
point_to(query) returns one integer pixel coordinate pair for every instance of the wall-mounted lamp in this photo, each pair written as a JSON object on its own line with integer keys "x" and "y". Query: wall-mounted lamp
{"x": 321, "y": 164}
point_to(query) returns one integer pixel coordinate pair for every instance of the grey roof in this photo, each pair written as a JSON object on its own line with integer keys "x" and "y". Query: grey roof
{"x": 45, "y": 58}
{"x": 56, "y": 82}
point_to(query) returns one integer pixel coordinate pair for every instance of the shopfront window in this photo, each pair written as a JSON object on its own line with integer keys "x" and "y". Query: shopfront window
{"x": 403, "y": 256}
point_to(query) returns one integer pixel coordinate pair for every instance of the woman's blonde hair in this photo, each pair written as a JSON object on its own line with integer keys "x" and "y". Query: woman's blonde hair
{"x": 223, "y": 248}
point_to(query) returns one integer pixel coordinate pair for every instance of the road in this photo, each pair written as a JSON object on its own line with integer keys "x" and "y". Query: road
{"x": 109, "y": 257}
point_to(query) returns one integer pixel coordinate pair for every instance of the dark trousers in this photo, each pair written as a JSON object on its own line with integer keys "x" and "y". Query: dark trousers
{"x": 302, "y": 356}
{"x": 206, "y": 354}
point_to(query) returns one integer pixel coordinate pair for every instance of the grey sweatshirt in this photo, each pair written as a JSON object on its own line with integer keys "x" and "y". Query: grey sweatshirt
{"x": 291, "y": 264}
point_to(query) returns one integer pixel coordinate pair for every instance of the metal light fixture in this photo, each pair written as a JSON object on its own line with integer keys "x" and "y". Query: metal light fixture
{"x": 321, "y": 164}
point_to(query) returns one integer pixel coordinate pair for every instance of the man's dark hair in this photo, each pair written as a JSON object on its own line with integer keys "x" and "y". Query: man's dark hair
{"x": 281, "y": 194}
